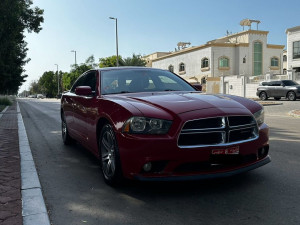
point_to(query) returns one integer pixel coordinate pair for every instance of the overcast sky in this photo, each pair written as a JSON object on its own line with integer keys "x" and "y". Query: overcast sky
{"x": 144, "y": 27}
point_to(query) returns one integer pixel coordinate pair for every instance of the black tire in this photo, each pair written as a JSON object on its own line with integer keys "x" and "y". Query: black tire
{"x": 263, "y": 96}
{"x": 291, "y": 96}
{"x": 65, "y": 133}
{"x": 109, "y": 156}
{"x": 277, "y": 98}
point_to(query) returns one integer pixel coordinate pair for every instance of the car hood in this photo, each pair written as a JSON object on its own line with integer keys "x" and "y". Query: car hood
{"x": 179, "y": 103}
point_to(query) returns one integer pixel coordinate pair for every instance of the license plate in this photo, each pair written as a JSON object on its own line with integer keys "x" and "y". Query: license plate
{"x": 226, "y": 151}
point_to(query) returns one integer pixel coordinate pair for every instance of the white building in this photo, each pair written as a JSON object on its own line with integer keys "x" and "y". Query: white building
{"x": 246, "y": 52}
{"x": 293, "y": 49}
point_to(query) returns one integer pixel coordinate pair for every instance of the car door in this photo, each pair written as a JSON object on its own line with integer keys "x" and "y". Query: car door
{"x": 281, "y": 91}
{"x": 276, "y": 89}
{"x": 70, "y": 106}
{"x": 86, "y": 111}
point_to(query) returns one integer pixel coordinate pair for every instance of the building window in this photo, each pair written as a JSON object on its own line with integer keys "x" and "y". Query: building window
{"x": 257, "y": 55}
{"x": 181, "y": 67}
{"x": 223, "y": 62}
{"x": 284, "y": 58}
{"x": 171, "y": 68}
{"x": 296, "y": 50}
{"x": 204, "y": 63}
{"x": 274, "y": 62}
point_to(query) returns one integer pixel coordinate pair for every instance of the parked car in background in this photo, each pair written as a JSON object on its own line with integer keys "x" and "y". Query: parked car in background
{"x": 151, "y": 125}
{"x": 279, "y": 89}
{"x": 40, "y": 96}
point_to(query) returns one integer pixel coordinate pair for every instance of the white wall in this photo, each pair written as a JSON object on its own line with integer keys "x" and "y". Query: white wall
{"x": 192, "y": 61}
{"x": 291, "y": 37}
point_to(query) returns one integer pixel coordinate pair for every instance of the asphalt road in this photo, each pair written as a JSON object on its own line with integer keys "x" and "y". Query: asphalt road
{"x": 75, "y": 193}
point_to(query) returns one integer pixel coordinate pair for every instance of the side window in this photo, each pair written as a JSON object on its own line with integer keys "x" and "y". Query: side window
{"x": 90, "y": 80}
{"x": 79, "y": 82}
{"x": 168, "y": 83}
{"x": 276, "y": 83}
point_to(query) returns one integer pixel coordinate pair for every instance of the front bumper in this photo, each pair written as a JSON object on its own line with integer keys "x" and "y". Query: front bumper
{"x": 207, "y": 175}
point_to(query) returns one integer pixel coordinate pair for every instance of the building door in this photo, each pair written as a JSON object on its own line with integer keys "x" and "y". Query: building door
{"x": 226, "y": 88}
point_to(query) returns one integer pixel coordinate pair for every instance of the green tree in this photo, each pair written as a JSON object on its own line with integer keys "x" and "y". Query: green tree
{"x": 34, "y": 88}
{"x": 135, "y": 60}
{"x": 68, "y": 79}
{"x": 16, "y": 16}
{"x": 110, "y": 61}
{"x": 48, "y": 84}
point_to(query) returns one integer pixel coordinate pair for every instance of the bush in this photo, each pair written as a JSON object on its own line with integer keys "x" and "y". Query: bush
{"x": 5, "y": 101}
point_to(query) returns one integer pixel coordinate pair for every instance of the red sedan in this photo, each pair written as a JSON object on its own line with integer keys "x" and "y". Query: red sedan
{"x": 150, "y": 124}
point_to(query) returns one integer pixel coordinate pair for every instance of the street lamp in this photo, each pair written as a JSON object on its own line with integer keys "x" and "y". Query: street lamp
{"x": 57, "y": 80}
{"x": 113, "y": 18}
{"x": 75, "y": 57}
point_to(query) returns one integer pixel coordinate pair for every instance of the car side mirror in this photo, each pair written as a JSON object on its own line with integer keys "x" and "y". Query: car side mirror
{"x": 83, "y": 90}
{"x": 197, "y": 86}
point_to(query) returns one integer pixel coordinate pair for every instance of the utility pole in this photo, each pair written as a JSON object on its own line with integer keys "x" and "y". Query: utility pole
{"x": 116, "y": 19}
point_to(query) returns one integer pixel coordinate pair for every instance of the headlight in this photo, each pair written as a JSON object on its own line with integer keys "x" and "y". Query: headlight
{"x": 260, "y": 117}
{"x": 144, "y": 125}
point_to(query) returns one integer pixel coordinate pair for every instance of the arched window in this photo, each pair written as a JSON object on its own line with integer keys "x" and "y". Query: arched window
{"x": 284, "y": 71}
{"x": 223, "y": 62}
{"x": 258, "y": 54}
{"x": 204, "y": 63}
{"x": 274, "y": 62}
{"x": 171, "y": 68}
{"x": 284, "y": 58}
{"x": 181, "y": 67}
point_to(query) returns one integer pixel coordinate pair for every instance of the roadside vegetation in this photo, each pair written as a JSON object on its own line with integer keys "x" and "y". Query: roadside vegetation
{"x": 16, "y": 18}
{"x": 4, "y": 101}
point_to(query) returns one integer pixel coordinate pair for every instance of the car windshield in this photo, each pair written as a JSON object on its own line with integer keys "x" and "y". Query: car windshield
{"x": 289, "y": 83}
{"x": 141, "y": 80}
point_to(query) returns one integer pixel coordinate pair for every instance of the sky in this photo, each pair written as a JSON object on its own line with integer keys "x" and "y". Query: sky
{"x": 144, "y": 27}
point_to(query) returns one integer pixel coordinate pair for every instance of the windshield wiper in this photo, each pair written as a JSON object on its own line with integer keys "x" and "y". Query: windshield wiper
{"x": 170, "y": 90}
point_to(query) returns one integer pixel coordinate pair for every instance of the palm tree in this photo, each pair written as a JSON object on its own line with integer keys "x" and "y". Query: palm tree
{"x": 135, "y": 60}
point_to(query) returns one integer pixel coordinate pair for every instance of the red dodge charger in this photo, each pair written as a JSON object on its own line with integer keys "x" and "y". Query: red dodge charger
{"x": 151, "y": 125}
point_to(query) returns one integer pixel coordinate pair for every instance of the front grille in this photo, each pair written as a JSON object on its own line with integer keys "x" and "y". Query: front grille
{"x": 218, "y": 131}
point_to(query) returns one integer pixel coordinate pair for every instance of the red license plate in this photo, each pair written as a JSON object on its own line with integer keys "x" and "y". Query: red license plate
{"x": 226, "y": 151}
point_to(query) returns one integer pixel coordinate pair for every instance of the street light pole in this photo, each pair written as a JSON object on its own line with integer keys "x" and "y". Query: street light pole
{"x": 116, "y": 19}
{"x": 75, "y": 57}
{"x": 57, "y": 80}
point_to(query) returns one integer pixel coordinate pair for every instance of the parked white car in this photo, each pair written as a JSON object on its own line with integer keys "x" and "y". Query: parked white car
{"x": 40, "y": 96}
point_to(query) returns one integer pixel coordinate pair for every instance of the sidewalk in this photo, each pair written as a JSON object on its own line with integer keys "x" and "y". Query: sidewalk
{"x": 10, "y": 170}
{"x": 21, "y": 199}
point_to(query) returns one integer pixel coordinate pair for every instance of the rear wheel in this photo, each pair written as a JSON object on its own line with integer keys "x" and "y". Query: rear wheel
{"x": 65, "y": 133}
{"x": 291, "y": 96}
{"x": 109, "y": 156}
{"x": 263, "y": 96}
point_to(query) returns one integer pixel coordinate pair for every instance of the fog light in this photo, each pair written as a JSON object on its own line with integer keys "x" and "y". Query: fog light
{"x": 262, "y": 152}
{"x": 147, "y": 167}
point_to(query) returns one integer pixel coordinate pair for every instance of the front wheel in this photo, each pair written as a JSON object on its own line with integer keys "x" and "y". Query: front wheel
{"x": 263, "y": 96}
{"x": 65, "y": 133}
{"x": 291, "y": 96}
{"x": 109, "y": 156}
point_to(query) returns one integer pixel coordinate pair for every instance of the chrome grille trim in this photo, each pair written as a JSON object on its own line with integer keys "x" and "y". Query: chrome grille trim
{"x": 249, "y": 132}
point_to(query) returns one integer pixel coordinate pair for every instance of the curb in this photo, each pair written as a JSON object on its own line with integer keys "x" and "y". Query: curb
{"x": 295, "y": 113}
{"x": 3, "y": 111}
{"x": 34, "y": 210}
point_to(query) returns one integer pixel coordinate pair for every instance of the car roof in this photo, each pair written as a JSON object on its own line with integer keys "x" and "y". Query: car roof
{"x": 128, "y": 67}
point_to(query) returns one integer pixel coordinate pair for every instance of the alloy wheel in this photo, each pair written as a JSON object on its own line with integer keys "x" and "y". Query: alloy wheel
{"x": 108, "y": 155}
